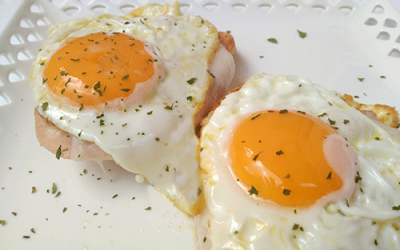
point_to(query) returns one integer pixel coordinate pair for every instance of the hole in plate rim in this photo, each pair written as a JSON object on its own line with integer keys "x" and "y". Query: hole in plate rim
{"x": 16, "y": 39}
{"x": 371, "y": 22}
{"x": 185, "y": 8}
{"x": 394, "y": 53}
{"x": 292, "y": 7}
{"x": 265, "y": 7}
{"x": 211, "y": 6}
{"x": 239, "y": 7}
{"x": 390, "y": 23}
{"x": 6, "y": 59}
{"x": 15, "y": 76}
{"x": 26, "y": 23}
{"x": 4, "y": 99}
{"x": 319, "y": 8}
{"x": 127, "y": 8}
{"x": 378, "y": 9}
{"x": 36, "y": 8}
{"x": 346, "y": 9}
{"x": 42, "y": 21}
{"x": 71, "y": 10}
{"x": 383, "y": 35}
{"x": 33, "y": 37}
{"x": 24, "y": 55}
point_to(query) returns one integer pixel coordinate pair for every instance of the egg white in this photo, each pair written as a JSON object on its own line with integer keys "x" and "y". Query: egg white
{"x": 369, "y": 219}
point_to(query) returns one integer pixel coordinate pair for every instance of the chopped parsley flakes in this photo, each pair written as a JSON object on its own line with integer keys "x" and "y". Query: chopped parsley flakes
{"x": 286, "y": 192}
{"x": 192, "y": 80}
{"x": 272, "y": 40}
{"x": 58, "y": 153}
{"x": 302, "y": 34}
{"x": 253, "y": 190}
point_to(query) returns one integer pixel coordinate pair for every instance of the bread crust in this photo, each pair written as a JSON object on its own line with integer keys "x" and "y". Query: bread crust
{"x": 387, "y": 115}
{"x": 227, "y": 40}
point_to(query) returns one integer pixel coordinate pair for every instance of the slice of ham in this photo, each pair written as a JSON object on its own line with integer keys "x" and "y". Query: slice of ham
{"x": 222, "y": 68}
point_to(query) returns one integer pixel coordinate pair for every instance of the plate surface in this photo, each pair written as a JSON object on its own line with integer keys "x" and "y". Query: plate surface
{"x": 345, "y": 41}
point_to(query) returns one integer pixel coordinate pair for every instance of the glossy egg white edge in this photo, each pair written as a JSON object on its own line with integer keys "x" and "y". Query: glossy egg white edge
{"x": 366, "y": 216}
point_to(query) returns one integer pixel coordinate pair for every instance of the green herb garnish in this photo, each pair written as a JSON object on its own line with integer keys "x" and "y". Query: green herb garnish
{"x": 272, "y": 40}
{"x": 192, "y": 80}
{"x": 253, "y": 190}
{"x": 58, "y": 153}
{"x": 169, "y": 107}
{"x": 254, "y": 117}
{"x": 256, "y": 156}
{"x": 283, "y": 111}
{"x": 210, "y": 74}
{"x": 54, "y": 188}
{"x": 44, "y": 106}
{"x": 302, "y": 34}
{"x": 396, "y": 208}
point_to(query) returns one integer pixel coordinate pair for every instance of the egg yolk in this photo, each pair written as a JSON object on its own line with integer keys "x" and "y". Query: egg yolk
{"x": 278, "y": 156}
{"x": 98, "y": 68}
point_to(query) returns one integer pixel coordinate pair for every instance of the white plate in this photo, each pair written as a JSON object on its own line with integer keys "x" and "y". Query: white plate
{"x": 346, "y": 40}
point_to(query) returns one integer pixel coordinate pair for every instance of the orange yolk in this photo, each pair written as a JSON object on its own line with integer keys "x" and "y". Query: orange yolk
{"x": 278, "y": 155}
{"x": 98, "y": 68}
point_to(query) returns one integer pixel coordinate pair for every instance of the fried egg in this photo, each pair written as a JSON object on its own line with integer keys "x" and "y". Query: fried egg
{"x": 287, "y": 164}
{"x": 132, "y": 85}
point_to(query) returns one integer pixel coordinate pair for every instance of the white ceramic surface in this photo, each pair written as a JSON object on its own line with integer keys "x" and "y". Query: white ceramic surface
{"x": 346, "y": 40}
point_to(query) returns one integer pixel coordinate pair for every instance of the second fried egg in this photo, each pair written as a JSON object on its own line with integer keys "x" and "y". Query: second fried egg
{"x": 288, "y": 164}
